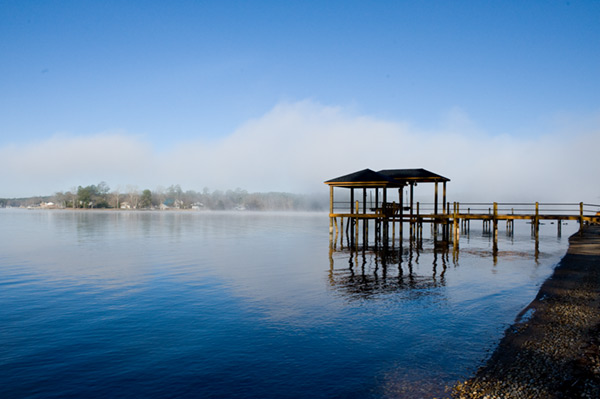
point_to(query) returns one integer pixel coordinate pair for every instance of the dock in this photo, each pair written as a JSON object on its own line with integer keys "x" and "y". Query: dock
{"x": 369, "y": 204}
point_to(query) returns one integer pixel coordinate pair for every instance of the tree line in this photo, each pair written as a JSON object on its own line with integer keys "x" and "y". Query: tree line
{"x": 100, "y": 196}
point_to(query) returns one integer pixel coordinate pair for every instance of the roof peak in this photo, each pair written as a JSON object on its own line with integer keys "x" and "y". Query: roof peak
{"x": 386, "y": 178}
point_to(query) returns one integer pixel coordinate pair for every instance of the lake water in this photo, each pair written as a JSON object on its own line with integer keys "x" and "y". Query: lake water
{"x": 248, "y": 305}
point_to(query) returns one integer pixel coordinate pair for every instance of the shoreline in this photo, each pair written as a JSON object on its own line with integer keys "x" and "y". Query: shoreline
{"x": 553, "y": 348}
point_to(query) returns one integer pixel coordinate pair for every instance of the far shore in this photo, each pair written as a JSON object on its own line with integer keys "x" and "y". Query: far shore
{"x": 200, "y": 210}
{"x": 553, "y": 349}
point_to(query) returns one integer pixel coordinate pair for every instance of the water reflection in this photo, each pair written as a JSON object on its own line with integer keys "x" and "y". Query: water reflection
{"x": 247, "y": 304}
{"x": 371, "y": 272}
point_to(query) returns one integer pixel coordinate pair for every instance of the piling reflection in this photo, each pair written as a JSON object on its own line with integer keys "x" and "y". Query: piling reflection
{"x": 370, "y": 272}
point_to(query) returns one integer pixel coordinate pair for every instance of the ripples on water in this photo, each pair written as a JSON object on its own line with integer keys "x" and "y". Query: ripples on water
{"x": 225, "y": 305}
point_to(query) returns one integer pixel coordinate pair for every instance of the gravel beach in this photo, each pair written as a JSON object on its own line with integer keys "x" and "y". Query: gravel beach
{"x": 553, "y": 349}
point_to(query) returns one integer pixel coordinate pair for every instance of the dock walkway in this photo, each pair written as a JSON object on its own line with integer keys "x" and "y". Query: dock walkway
{"x": 454, "y": 218}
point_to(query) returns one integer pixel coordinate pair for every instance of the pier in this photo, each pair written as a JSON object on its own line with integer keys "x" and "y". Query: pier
{"x": 371, "y": 208}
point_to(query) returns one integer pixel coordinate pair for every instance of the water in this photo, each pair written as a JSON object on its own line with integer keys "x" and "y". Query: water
{"x": 247, "y": 305}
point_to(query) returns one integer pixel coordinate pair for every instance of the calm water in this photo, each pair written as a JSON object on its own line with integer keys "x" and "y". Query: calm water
{"x": 244, "y": 305}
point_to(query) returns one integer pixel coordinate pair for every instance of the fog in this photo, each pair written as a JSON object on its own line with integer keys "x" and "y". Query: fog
{"x": 296, "y": 146}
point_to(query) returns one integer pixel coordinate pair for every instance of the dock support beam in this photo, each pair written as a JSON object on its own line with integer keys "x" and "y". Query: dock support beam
{"x": 455, "y": 229}
{"x": 435, "y": 199}
{"x": 401, "y": 200}
{"x": 443, "y": 194}
{"x": 385, "y": 218}
{"x": 536, "y": 222}
{"x": 352, "y": 222}
{"x": 330, "y": 210}
{"x": 365, "y": 221}
{"x": 580, "y": 218}
{"x": 412, "y": 220}
{"x": 356, "y": 223}
{"x": 495, "y": 227}
{"x": 559, "y": 223}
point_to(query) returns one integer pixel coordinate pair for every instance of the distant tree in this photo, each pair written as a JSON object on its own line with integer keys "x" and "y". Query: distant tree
{"x": 146, "y": 199}
{"x": 158, "y": 196}
{"x": 102, "y": 188}
{"x": 220, "y": 205}
{"x": 253, "y": 203}
{"x": 115, "y": 198}
{"x": 175, "y": 191}
{"x": 133, "y": 196}
{"x": 73, "y": 196}
{"x": 85, "y": 195}
{"x": 101, "y": 199}
{"x": 174, "y": 196}
{"x": 61, "y": 199}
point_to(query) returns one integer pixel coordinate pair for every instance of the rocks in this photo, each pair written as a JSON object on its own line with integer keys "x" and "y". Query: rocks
{"x": 555, "y": 353}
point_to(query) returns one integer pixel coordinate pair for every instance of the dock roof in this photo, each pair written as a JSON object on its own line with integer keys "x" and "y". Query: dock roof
{"x": 362, "y": 178}
{"x": 386, "y": 178}
{"x": 413, "y": 175}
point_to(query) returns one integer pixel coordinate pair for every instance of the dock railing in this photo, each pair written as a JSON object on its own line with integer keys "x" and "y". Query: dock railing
{"x": 474, "y": 210}
{"x": 453, "y": 219}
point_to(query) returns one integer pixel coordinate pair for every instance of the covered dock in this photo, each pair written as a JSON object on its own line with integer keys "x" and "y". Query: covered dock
{"x": 371, "y": 200}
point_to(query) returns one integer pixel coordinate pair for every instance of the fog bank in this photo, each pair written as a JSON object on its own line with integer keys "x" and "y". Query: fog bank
{"x": 294, "y": 147}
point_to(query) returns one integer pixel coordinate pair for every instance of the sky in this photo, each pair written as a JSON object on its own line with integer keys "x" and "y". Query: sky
{"x": 502, "y": 97}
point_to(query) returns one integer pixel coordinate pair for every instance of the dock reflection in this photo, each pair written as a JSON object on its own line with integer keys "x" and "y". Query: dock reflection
{"x": 368, "y": 273}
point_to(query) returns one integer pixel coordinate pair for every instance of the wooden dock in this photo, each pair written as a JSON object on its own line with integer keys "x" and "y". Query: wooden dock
{"x": 446, "y": 219}
{"x": 457, "y": 217}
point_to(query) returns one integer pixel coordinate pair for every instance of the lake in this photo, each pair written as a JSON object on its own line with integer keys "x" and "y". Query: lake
{"x": 97, "y": 304}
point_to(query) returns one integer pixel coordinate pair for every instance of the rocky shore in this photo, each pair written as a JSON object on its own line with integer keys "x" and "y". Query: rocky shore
{"x": 553, "y": 350}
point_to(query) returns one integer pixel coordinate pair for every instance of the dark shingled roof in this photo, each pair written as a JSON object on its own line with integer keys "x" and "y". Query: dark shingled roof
{"x": 418, "y": 175}
{"x": 365, "y": 177}
{"x": 386, "y": 178}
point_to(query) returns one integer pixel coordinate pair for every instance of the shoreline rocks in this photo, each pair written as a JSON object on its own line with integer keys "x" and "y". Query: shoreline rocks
{"x": 553, "y": 350}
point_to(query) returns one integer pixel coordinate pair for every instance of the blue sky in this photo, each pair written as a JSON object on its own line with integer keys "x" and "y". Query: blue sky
{"x": 91, "y": 89}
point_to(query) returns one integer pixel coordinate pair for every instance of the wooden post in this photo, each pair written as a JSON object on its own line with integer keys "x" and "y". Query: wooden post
{"x": 435, "y": 199}
{"x": 385, "y": 216}
{"x": 418, "y": 225}
{"x": 330, "y": 209}
{"x": 384, "y": 196}
{"x": 356, "y": 223}
{"x": 455, "y": 226}
{"x": 458, "y": 217}
{"x": 537, "y": 222}
{"x": 351, "y": 221}
{"x": 580, "y": 218}
{"x": 401, "y": 199}
{"x": 444, "y": 194}
{"x": 393, "y": 225}
{"x": 365, "y": 221}
{"x": 447, "y": 223}
{"x": 412, "y": 221}
{"x": 376, "y": 220}
{"x": 468, "y": 222}
{"x": 495, "y": 221}
{"x": 510, "y": 224}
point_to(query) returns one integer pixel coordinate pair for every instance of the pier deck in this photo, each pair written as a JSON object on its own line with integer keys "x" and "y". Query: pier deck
{"x": 451, "y": 222}
{"x": 376, "y": 206}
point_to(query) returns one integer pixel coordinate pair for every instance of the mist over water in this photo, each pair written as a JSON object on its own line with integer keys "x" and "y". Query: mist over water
{"x": 215, "y": 305}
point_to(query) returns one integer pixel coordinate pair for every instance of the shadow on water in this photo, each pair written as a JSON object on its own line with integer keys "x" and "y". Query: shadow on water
{"x": 414, "y": 272}
{"x": 371, "y": 272}
{"x": 247, "y": 305}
